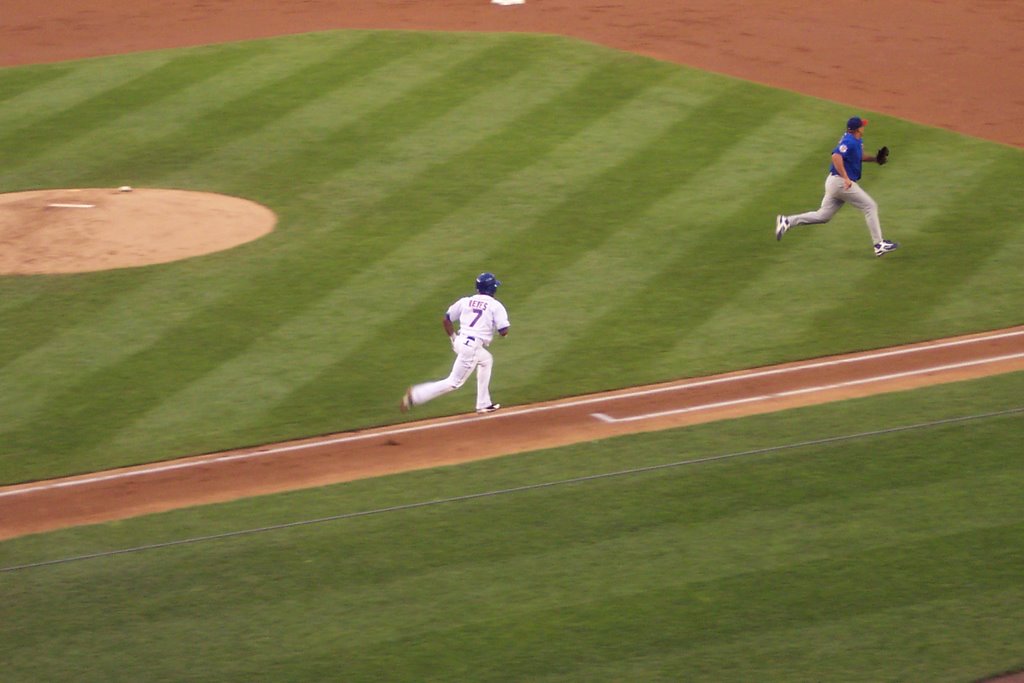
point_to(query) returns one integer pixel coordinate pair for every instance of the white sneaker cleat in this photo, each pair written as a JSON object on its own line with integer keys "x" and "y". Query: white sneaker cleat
{"x": 885, "y": 246}
{"x": 407, "y": 400}
{"x": 489, "y": 409}
{"x": 781, "y": 226}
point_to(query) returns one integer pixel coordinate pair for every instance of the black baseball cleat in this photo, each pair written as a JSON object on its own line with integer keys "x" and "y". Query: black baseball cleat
{"x": 489, "y": 409}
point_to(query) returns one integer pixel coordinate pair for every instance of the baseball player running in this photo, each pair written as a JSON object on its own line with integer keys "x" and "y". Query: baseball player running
{"x": 479, "y": 316}
{"x": 841, "y": 187}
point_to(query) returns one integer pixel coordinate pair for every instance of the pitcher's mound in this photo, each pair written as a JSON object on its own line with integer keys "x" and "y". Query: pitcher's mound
{"x": 76, "y": 231}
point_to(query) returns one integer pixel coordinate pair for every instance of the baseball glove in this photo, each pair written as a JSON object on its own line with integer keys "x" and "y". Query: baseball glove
{"x": 882, "y": 156}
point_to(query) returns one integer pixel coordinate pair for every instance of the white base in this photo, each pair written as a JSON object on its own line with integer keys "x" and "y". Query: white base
{"x": 508, "y": 2}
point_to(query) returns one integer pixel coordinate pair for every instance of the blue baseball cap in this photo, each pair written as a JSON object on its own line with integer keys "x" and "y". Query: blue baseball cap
{"x": 856, "y": 122}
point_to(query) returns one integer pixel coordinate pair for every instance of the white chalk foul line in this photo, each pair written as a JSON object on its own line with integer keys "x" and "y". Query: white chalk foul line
{"x": 502, "y": 414}
{"x": 768, "y": 372}
{"x": 72, "y": 206}
{"x": 807, "y": 390}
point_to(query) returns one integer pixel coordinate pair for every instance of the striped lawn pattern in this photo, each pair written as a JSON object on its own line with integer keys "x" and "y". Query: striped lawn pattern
{"x": 627, "y": 204}
{"x": 886, "y": 556}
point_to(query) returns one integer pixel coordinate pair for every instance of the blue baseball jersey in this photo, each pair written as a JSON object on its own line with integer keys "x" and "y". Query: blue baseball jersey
{"x": 852, "y": 151}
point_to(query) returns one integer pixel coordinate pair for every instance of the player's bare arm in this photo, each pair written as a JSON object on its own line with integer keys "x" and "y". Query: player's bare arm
{"x": 837, "y": 161}
{"x": 449, "y": 328}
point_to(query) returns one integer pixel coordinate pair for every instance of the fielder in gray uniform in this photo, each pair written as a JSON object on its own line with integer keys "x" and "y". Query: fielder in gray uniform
{"x": 480, "y": 316}
{"x": 841, "y": 188}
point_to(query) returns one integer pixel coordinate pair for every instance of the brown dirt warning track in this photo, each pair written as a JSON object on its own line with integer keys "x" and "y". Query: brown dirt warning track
{"x": 954, "y": 64}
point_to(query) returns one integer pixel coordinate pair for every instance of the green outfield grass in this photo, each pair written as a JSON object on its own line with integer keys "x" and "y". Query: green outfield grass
{"x": 627, "y": 204}
{"x": 882, "y": 557}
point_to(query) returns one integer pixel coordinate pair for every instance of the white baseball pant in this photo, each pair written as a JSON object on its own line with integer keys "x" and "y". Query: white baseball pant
{"x": 835, "y": 196}
{"x": 470, "y": 354}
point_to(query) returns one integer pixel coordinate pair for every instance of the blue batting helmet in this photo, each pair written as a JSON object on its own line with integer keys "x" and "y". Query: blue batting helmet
{"x": 486, "y": 283}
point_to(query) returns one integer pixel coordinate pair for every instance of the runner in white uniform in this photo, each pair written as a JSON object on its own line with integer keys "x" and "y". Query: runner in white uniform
{"x": 479, "y": 316}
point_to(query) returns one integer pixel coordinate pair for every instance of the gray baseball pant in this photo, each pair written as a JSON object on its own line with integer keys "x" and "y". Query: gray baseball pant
{"x": 835, "y": 197}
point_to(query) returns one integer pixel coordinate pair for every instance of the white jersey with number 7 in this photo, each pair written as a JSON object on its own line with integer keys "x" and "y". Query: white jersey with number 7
{"x": 479, "y": 316}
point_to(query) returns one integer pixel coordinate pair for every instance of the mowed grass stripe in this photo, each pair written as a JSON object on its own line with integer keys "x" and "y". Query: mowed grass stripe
{"x": 986, "y": 285}
{"x": 427, "y": 188}
{"x": 104, "y": 108}
{"x": 15, "y": 82}
{"x": 284, "y": 309}
{"x": 223, "y": 331}
{"x": 486, "y": 240}
{"x": 372, "y": 134}
{"x": 947, "y": 239}
{"x": 232, "y": 167}
{"x": 957, "y": 239}
{"x": 60, "y": 304}
{"x": 151, "y": 316}
{"x": 218, "y": 283}
{"x": 746, "y": 236}
{"x": 644, "y": 251}
{"x": 68, "y": 85}
{"x": 866, "y": 646}
{"x": 527, "y": 582}
{"x": 522, "y": 584}
{"x": 690, "y": 284}
{"x": 454, "y": 179}
{"x": 175, "y": 72}
{"x": 335, "y": 204}
{"x": 313, "y": 161}
{"x": 101, "y": 331}
{"x": 804, "y": 264}
{"x": 109, "y": 153}
{"x": 241, "y": 113}
{"x": 594, "y": 211}
{"x": 494, "y": 566}
{"x": 357, "y": 315}
{"x": 671, "y": 613}
{"x": 698, "y": 545}
{"x": 344, "y": 202}
{"x": 639, "y": 251}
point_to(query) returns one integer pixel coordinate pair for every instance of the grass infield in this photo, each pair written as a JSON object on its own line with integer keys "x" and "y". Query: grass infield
{"x": 627, "y": 204}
